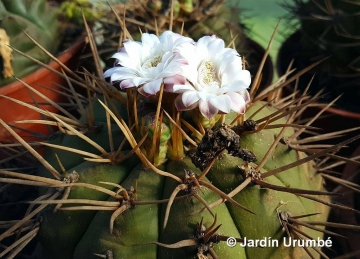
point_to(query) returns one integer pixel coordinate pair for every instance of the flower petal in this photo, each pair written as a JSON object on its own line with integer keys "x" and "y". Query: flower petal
{"x": 153, "y": 87}
{"x": 180, "y": 105}
{"x": 207, "y": 110}
{"x": 222, "y": 103}
{"x": 181, "y": 88}
{"x": 189, "y": 98}
{"x": 134, "y": 50}
{"x": 176, "y": 79}
{"x": 121, "y": 73}
{"x": 238, "y": 103}
{"x": 236, "y": 86}
{"x": 245, "y": 94}
{"x": 216, "y": 46}
{"x": 109, "y": 72}
{"x": 139, "y": 81}
{"x": 126, "y": 84}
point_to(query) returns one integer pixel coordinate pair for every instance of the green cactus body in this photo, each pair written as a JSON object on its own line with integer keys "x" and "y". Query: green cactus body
{"x": 69, "y": 226}
{"x": 39, "y": 20}
{"x": 181, "y": 225}
{"x": 265, "y": 224}
{"x": 87, "y": 233}
{"x": 148, "y": 126}
{"x": 100, "y": 136}
{"x": 138, "y": 225}
{"x": 68, "y": 222}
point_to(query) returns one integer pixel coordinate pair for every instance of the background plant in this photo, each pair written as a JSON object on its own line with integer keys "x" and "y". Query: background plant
{"x": 328, "y": 30}
{"x": 37, "y": 18}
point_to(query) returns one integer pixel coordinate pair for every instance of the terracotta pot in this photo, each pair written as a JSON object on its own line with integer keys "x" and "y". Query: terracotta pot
{"x": 40, "y": 79}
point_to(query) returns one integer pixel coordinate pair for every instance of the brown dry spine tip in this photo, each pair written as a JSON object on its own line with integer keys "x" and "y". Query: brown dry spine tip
{"x": 214, "y": 142}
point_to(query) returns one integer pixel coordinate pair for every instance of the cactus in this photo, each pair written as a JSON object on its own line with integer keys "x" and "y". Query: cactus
{"x": 245, "y": 177}
{"x": 328, "y": 30}
{"x": 72, "y": 10}
{"x": 39, "y": 20}
{"x": 253, "y": 213}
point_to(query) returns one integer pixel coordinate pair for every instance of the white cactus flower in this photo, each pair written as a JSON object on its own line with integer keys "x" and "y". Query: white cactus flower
{"x": 216, "y": 81}
{"x": 149, "y": 63}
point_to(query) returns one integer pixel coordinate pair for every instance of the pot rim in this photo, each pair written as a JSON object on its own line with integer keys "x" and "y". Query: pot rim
{"x": 42, "y": 71}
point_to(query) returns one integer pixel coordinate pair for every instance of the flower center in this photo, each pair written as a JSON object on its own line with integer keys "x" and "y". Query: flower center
{"x": 207, "y": 73}
{"x": 152, "y": 62}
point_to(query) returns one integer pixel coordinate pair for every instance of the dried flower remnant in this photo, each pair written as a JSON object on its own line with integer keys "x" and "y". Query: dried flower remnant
{"x": 5, "y": 54}
{"x": 214, "y": 142}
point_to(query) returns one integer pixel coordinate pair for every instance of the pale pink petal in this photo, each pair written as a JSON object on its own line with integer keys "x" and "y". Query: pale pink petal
{"x": 109, "y": 72}
{"x": 221, "y": 102}
{"x": 189, "y": 98}
{"x": 128, "y": 62}
{"x": 120, "y": 55}
{"x": 245, "y": 76}
{"x": 205, "y": 40}
{"x": 238, "y": 103}
{"x": 149, "y": 40}
{"x": 171, "y": 69}
{"x": 206, "y": 96}
{"x": 236, "y": 86}
{"x": 121, "y": 73}
{"x": 202, "y": 51}
{"x": 170, "y": 40}
{"x": 152, "y": 87}
{"x": 207, "y": 110}
{"x": 187, "y": 51}
{"x": 235, "y": 74}
{"x": 133, "y": 49}
{"x": 126, "y": 84}
{"x": 176, "y": 79}
{"x": 167, "y": 39}
{"x": 190, "y": 72}
{"x": 169, "y": 82}
{"x": 216, "y": 46}
{"x": 143, "y": 93}
{"x": 180, "y": 105}
{"x": 139, "y": 81}
{"x": 245, "y": 94}
{"x": 180, "y": 88}
{"x": 178, "y": 59}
